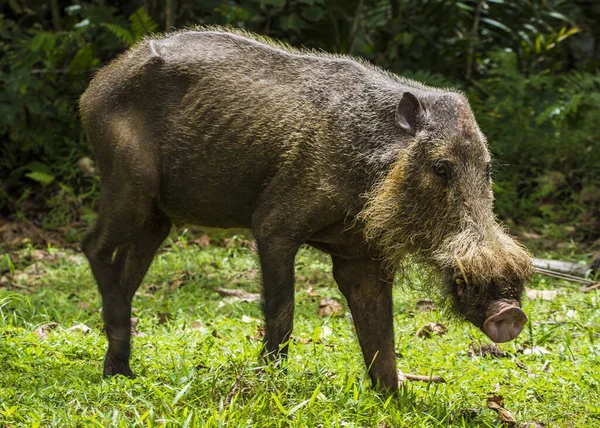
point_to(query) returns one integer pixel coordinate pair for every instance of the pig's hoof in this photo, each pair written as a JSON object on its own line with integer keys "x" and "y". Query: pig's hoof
{"x": 113, "y": 366}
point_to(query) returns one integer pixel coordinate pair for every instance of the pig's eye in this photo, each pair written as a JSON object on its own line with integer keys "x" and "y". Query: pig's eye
{"x": 443, "y": 170}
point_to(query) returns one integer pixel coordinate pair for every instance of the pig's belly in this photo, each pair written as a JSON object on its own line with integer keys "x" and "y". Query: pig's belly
{"x": 223, "y": 200}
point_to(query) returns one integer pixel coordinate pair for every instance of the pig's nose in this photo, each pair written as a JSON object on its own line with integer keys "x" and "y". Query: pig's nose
{"x": 505, "y": 325}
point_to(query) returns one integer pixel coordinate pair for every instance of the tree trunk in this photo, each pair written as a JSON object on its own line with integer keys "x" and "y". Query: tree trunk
{"x": 55, "y": 10}
{"x": 472, "y": 41}
{"x": 171, "y": 12}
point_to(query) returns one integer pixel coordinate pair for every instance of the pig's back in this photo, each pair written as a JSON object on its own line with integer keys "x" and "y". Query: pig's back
{"x": 223, "y": 115}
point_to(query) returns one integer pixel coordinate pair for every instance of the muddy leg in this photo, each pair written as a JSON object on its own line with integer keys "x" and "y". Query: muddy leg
{"x": 119, "y": 277}
{"x": 277, "y": 264}
{"x": 368, "y": 290}
{"x": 285, "y": 217}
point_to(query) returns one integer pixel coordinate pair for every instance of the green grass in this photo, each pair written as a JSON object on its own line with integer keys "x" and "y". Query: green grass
{"x": 186, "y": 374}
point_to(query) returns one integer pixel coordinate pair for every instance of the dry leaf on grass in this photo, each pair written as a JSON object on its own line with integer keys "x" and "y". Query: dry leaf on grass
{"x": 425, "y": 305}
{"x": 302, "y": 340}
{"x": 174, "y": 285}
{"x": 237, "y": 294}
{"x": 82, "y": 328}
{"x": 496, "y": 402}
{"x": 259, "y": 332}
{"x": 134, "y": 332}
{"x": 428, "y": 330}
{"x": 197, "y": 325}
{"x": 38, "y": 255}
{"x": 17, "y": 233}
{"x": 541, "y": 294}
{"x": 485, "y": 350}
{"x": 402, "y": 377}
{"x": 312, "y": 292}
{"x": 330, "y": 307}
{"x": 42, "y": 331}
{"x": 248, "y": 320}
{"x": 572, "y": 313}
{"x": 325, "y": 332}
{"x": 203, "y": 241}
{"x": 521, "y": 365}
{"x": 536, "y": 350}
{"x": 590, "y": 288}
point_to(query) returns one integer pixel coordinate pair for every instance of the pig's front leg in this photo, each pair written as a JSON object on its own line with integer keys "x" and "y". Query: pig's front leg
{"x": 368, "y": 289}
{"x": 277, "y": 265}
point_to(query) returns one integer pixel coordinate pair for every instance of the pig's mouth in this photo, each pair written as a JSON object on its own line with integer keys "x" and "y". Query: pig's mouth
{"x": 502, "y": 320}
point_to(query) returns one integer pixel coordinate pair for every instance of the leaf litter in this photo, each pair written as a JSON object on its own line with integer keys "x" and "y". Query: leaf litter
{"x": 330, "y": 307}
{"x": 496, "y": 402}
{"x": 237, "y": 294}
{"x": 431, "y": 329}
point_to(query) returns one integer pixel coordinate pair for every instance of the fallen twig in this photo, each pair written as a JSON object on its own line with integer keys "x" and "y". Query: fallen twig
{"x": 590, "y": 288}
{"x": 569, "y": 268}
{"x": 421, "y": 378}
{"x": 564, "y": 276}
{"x": 235, "y": 388}
{"x": 238, "y": 294}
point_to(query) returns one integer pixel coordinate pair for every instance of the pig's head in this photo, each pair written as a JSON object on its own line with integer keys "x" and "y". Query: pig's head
{"x": 435, "y": 204}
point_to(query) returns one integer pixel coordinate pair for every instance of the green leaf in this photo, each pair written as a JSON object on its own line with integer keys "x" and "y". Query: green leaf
{"x": 180, "y": 394}
{"x": 538, "y": 43}
{"x": 122, "y": 33}
{"x": 83, "y": 60}
{"x": 464, "y": 6}
{"x": 141, "y": 24}
{"x": 569, "y": 33}
{"x": 313, "y": 13}
{"x": 497, "y": 24}
{"x": 49, "y": 41}
{"x": 82, "y": 24}
{"x": 73, "y": 9}
{"x": 559, "y": 16}
{"x": 292, "y": 22}
{"x": 297, "y": 407}
{"x": 37, "y": 41}
{"x": 275, "y": 3}
{"x": 37, "y": 167}
{"x": 40, "y": 177}
{"x": 278, "y": 403}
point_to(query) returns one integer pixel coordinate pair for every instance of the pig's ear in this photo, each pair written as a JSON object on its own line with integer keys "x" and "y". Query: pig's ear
{"x": 409, "y": 113}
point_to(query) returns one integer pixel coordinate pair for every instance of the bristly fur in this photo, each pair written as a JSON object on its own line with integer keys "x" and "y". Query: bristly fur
{"x": 449, "y": 228}
{"x": 278, "y": 44}
{"x": 225, "y": 128}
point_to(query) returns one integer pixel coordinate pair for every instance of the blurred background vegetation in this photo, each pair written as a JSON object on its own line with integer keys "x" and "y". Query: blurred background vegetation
{"x": 531, "y": 69}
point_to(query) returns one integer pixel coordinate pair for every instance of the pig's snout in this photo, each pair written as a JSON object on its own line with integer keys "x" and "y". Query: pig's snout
{"x": 504, "y": 322}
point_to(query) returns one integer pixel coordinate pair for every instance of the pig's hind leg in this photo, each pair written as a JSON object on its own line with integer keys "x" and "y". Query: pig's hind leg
{"x": 120, "y": 248}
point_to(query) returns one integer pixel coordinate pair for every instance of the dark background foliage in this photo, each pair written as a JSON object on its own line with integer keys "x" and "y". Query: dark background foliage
{"x": 531, "y": 69}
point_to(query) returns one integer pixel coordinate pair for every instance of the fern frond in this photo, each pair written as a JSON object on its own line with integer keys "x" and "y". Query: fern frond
{"x": 581, "y": 81}
{"x": 141, "y": 24}
{"x": 122, "y": 33}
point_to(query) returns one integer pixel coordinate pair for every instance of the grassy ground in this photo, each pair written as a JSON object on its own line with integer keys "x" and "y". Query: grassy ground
{"x": 197, "y": 360}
